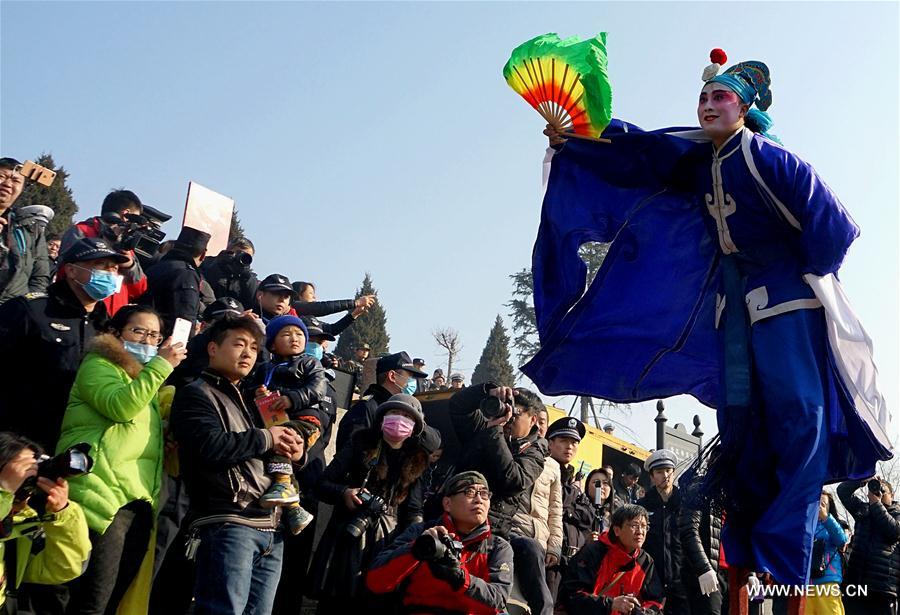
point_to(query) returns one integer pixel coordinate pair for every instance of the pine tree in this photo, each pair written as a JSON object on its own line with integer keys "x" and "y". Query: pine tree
{"x": 237, "y": 230}
{"x": 57, "y": 197}
{"x": 370, "y": 328}
{"x": 494, "y": 365}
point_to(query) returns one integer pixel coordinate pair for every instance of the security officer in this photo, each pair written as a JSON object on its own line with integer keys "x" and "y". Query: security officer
{"x": 564, "y": 435}
{"x": 174, "y": 282}
{"x": 273, "y": 297}
{"x": 663, "y": 504}
{"x": 357, "y": 363}
{"x": 43, "y": 337}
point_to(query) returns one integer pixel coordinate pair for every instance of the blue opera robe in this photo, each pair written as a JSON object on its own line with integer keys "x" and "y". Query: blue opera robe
{"x": 651, "y": 323}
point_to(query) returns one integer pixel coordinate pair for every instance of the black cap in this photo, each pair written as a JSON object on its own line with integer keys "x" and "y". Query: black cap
{"x": 223, "y": 305}
{"x": 363, "y": 346}
{"x": 316, "y": 331}
{"x": 567, "y": 426}
{"x": 276, "y": 282}
{"x": 418, "y": 361}
{"x": 89, "y": 249}
{"x": 193, "y": 239}
{"x": 399, "y": 360}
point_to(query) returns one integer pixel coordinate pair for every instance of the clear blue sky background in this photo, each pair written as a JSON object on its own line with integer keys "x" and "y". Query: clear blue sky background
{"x": 381, "y": 137}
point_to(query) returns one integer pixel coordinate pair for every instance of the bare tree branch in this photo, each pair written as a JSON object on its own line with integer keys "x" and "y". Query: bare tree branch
{"x": 448, "y": 339}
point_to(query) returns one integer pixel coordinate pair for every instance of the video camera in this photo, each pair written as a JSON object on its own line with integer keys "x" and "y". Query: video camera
{"x": 372, "y": 508}
{"x": 139, "y": 232}
{"x": 237, "y": 262}
{"x": 73, "y": 461}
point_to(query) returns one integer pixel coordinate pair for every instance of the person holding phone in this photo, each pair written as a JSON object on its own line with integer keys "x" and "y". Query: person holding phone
{"x": 114, "y": 407}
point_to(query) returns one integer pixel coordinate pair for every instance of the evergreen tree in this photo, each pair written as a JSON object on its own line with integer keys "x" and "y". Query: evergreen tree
{"x": 237, "y": 230}
{"x": 56, "y": 196}
{"x": 494, "y": 365}
{"x": 370, "y": 328}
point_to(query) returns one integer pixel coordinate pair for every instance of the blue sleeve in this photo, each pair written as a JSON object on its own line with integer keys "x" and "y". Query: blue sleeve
{"x": 837, "y": 538}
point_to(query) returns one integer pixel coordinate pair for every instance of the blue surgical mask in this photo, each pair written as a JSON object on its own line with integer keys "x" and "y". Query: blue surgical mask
{"x": 142, "y": 352}
{"x": 102, "y": 284}
{"x": 411, "y": 386}
{"x": 314, "y": 350}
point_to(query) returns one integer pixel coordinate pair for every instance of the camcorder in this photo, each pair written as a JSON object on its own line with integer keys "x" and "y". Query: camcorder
{"x": 139, "y": 232}
{"x": 73, "y": 461}
{"x": 237, "y": 262}
{"x": 372, "y": 508}
{"x": 427, "y": 548}
{"x": 492, "y": 408}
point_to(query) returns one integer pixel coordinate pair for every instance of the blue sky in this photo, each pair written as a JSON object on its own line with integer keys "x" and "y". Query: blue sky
{"x": 382, "y": 137}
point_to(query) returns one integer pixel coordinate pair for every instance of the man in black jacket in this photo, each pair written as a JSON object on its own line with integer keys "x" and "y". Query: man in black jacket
{"x": 393, "y": 374}
{"x": 43, "y": 337}
{"x": 663, "y": 504}
{"x": 700, "y": 533}
{"x": 874, "y": 554}
{"x": 229, "y": 273}
{"x": 174, "y": 282}
{"x": 221, "y": 448}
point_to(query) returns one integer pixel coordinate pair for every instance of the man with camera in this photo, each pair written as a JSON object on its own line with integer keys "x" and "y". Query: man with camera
{"x": 36, "y": 510}
{"x": 454, "y": 564}
{"x": 874, "y": 554}
{"x": 229, "y": 273}
{"x": 118, "y": 225}
{"x": 499, "y": 425}
{"x": 221, "y": 445}
{"x": 24, "y": 261}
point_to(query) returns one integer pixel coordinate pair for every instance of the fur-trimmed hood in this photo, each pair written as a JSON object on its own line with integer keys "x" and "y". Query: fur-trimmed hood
{"x": 111, "y": 348}
{"x": 413, "y": 461}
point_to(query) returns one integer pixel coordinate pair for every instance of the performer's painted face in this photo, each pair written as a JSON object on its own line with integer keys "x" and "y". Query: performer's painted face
{"x": 720, "y": 111}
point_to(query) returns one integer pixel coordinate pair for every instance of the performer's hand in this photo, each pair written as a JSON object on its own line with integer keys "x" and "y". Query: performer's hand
{"x": 708, "y": 582}
{"x": 554, "y": 136}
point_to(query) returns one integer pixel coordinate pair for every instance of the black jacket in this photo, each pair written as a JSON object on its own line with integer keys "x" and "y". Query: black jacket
{"x": 874, "y": 554}
{"x": 42, "y": 341}
{"x": 578, "y": 513}
{"x": 301, "y": 379}
{"x": 174, "y": 289}
{"x": 309, "y": 476}
{"x": 663, "y": 540}
{"x": 228, "y": 278}
{"x": 509, "y": 467}
{"x": 701, "y": 535}
{"x": 221, "y": 446}
{"x": 361, "y": 414}
{"x": 309, "y": 310}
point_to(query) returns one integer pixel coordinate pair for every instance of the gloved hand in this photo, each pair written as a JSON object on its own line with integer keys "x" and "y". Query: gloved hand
{"x": 449, "y": 572}
{"x": 754, "y": 589}
{"x": 708, "y": 582}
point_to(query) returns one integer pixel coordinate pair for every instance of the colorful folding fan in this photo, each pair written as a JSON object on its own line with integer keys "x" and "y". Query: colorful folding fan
{"x": 565, "y": 80}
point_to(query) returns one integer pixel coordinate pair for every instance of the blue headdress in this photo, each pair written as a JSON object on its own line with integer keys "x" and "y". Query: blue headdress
{"x": 751, "y": 82}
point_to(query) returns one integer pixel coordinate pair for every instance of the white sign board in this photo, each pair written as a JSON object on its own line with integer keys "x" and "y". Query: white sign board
{"x": 207, "y": 210}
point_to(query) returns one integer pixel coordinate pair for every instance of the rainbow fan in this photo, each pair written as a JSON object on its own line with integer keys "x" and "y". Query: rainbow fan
{"x": 565, "y": 81}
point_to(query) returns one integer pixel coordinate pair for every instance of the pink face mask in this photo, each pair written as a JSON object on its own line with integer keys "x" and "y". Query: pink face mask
{"x": 397, "y": 427}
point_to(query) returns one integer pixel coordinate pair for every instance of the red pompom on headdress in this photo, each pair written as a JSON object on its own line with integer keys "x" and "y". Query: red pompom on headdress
{"x": 717, "y": 56}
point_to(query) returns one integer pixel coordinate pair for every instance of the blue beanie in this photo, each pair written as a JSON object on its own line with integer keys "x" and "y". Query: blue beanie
{"x": 280, "y": 322}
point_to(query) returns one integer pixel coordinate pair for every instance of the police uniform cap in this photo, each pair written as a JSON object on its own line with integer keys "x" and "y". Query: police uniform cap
{"x": 662, "y": 458}
{"x": 568, "y": 427}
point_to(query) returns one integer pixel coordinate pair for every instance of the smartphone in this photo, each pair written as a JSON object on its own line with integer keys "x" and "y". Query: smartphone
{"x": 181, "y": 331}
{"x": 37, "y": 173}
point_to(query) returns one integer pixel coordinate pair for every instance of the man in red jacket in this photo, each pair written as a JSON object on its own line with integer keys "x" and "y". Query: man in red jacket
{"x": 614, "y": 574}
{"x": 452, "y": 564}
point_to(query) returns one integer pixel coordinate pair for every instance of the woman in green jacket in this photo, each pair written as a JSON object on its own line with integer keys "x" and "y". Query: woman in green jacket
{"x": 113, "y": 407}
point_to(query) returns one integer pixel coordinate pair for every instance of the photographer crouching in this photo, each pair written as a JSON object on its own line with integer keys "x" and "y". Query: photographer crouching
{"x": 42, "y": 533}
{"x": 503, "y": 442}
{"x": 453, "y": 564}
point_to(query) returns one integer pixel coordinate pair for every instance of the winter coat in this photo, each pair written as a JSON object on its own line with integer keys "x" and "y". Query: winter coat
{"x": 663, "y": 540}
{"x": 25, "y": 266}
{"x": 834, "y": 539}
{"x": 701, "y": 535}
{"x": 486, "y": 560}
{"x": 65, "y": 549}
{"x": 578, "y": 513}
{"x": 135, "y": 283}
{"x": 42, "y": 340}
{"x": 592, "y": 580}
{"x": 113, "y": 407}
{"x": 228, "y": 278}
{"x": 543, "y": 519}
{"x": 511, "y": 468}
{"x": 309, "y": 310}
{"x": 361, "y": 414}
{"x": 394, "y": 475}
{"x": 874, "y": 557}
{"x": 174, "y": 289}
{"x": 300, "y": 378}
{"x": 221, "y": 445}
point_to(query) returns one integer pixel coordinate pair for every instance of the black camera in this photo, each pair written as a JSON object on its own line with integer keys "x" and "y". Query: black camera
{"x": 139, "y": 232}
{"x": 370, "y": 510}
{"x": 492, "y": 408}
{"x": 237, "y": 262}
{"x": 428, "y": 548}
{"x": 875, "y": 486}
{"x": 73, "y": 461}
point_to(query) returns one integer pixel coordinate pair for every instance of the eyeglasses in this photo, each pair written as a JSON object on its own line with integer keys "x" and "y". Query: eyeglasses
{"x": 146, "y": 334}
{"x": 637, "y": 527}
{"x": 472, "y": 492}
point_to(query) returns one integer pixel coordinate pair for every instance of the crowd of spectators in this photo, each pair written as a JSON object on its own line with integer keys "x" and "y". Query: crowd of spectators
{"x": 190, "y": 464}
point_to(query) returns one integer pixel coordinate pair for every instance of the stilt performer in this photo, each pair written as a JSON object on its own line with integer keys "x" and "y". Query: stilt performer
{"x": 719, "y": 283}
